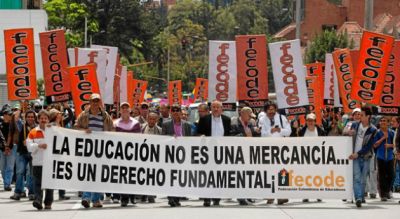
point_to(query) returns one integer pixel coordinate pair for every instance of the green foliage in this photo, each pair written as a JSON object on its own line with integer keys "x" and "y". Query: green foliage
{"x": 324, "y": 43}
{"x": 70, "y": 16}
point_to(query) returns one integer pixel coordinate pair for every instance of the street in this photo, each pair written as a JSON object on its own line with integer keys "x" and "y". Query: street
{"x": 193, "y": 208}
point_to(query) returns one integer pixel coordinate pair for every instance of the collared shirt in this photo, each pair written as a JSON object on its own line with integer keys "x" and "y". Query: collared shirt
{"x": 178, "y": 128}
{"x": 217, "y": 127}
{"x": 309, "y": 133}
{"x": 360, "y": 137}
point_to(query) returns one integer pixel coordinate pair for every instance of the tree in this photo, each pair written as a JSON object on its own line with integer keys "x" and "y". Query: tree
{"x": 326, "y": 42}
{"x": 277, "y": 12}
{"x": 70, "y": 16}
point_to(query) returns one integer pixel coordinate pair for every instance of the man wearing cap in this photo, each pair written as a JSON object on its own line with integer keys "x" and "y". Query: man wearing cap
{"x": 144, "y": 111}
{"x": 356, "y": 115}
{"x": 217, "y": 125}
{"x": 94, "y": 118}
{"x": 176, "y": 127}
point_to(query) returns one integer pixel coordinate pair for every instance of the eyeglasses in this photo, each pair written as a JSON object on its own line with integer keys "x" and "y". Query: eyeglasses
{"x": 144, "y": 107}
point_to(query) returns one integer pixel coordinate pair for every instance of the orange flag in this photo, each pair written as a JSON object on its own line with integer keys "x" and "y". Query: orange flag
{"x": 83, "y": 84}
{"x": 390, "y": 99}
{"x": 20, "y": 64}
{"x": 373, "y": 61}
{"x": 136, "y": 92}
{"x": 314, "y": 98}
{"x": 175, "y": 92}
{"x": 55, "y": 64}
{"x": 252, "y": 70}
{"x": 344, "y": 72}
{"x": 201, "y": 90}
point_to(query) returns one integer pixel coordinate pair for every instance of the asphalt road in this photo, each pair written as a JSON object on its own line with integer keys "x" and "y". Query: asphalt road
{"x": 193, "y": 208}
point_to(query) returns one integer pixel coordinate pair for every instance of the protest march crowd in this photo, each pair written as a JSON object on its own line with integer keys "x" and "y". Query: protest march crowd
{"x": 376, "y": 142}
{"x": 335, "y": 98}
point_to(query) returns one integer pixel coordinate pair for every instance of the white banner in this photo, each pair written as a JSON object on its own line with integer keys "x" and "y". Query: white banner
{"x": 222, "y": 71}
{"x": 123, "y": 85}
{"x": 289, "y": 76}
{"x": 97, "y": 56}
{"x": 208, "y": 167}
{"x": 71, "y": 56}
{"x": 329, "y": 90}
{"x": 112, "y": 56}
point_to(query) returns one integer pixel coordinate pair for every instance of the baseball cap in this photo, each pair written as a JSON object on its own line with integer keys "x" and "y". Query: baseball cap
{"x": 125, "y": 104}
{"x": 95, "y": 96}
{"x": 248, "y": 109}
{"x": 356, "y": 110}
{"x": 311, "y": 116}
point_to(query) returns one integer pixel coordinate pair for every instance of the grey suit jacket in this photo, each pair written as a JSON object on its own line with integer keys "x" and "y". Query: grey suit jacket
{"x": 168, "y": 128}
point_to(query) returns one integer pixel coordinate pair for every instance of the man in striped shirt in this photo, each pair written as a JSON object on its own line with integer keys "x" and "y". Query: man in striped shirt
{"x": 94, "y": 119}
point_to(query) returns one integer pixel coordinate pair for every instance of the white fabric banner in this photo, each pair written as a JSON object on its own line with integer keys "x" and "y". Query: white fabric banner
{"x": 123, "y": 85}
{"x": 208, "y": 167}
{"x": 329, "y": 90}
{"x": 222, "y": 71}
{"x": 99, "y": 57}
{"x": 289, "y": 76}
{"x": 112, "y": 56}
{"x": 71, "y": 56}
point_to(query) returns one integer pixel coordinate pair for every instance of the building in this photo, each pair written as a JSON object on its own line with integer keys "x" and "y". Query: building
{"x": 21, "y": 4}
{"x": 318, "y": 15}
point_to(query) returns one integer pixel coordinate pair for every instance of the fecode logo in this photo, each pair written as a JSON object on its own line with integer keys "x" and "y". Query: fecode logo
{"x": 252, "y": 67}
{"x": 369, "y": 79}
{"x": 390, "y": 92}
{"x": 139, "y": 89}
{"x": 54, "y": 59}
{"x": 175, "y": 92}
{"x": 344, "y": 71}
{"x": 20, "y": 61}
{"x": 84, "y": 83}
{"x": 201, "y": 89}
{"x": 222, "y": 87}
{"x": 291, "y": 179}
{"x": 289, "y": 78}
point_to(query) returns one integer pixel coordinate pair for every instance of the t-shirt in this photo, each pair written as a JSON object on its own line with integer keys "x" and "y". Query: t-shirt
{"x": 309, "y": 133}
{"x": 96, "y": 122}
{"x": 360, "y": 137}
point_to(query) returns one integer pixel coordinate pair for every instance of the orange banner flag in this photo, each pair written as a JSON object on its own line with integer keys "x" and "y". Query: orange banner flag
{"x": 252, "y": 70}
{"x": 55, "y": 64}
{"x": 175, "y": 92}
{"x": 314, "y": 97}
{"x": 344, "y": 71}
{"x": 20, "y": 64}
{"x": 373, "y": 61}
{"x": 201, "y": 90}
{"x": 136, "y": 91}
{"x": 390, "y": 99}
{"x": 83, "y": 84}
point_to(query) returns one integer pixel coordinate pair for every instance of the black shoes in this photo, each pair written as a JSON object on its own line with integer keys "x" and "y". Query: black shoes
{"x": 174, "y": 203}
{"x": 207, "y": 203}
{"x": 358, "y": 203}
{"x": 37, "y": 205}
{"x": 62, "y": 198}
{"x": 85, "y": 203}
{"x": 243, "y": 202}
{"x": 15, "y": 197}
{"x": 8, "y": 189}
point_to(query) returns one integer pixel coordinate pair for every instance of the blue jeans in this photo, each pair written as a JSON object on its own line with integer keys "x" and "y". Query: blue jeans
{"x": 396, "y": 183}
{"x": 7, "y": 164}
{"x": 360, "y": 173}
{"x": 23, "y": 170}
{"x": 91, "y": 196}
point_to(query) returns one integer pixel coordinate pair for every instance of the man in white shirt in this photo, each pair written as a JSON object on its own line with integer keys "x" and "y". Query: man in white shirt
{"x": 274, "y": 124}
